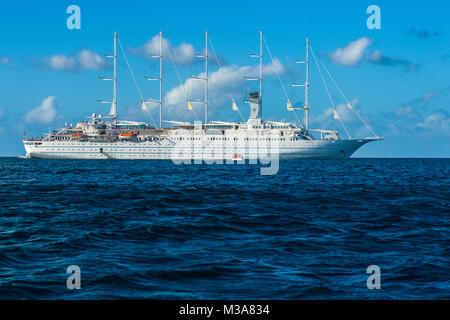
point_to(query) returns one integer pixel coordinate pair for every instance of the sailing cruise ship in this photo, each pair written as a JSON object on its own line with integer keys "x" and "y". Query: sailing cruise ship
{"x": 106, "y": 137}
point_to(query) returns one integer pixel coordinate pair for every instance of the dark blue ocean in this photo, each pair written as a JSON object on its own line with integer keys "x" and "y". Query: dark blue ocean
{"x": 152, "y": 229}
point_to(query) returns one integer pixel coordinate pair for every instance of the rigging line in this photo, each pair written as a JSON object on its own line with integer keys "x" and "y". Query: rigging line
{"x": 281, "y": 82}
{"x": 328, "y": 91}
{"x": 276, "y": 72}
{"x": 179, "y": 79}
{"x": 348, "y": 103}
{"x": 298, "y": 119}
{"x": 228, "y": 87}
{"x": 135, "y": 82}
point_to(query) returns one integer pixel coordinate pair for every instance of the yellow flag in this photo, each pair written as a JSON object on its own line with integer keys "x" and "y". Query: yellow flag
{"x": 349, "y": 105}
{"x": 235, "y": 108}
{"x": 190, "y": 105}
{"x": 335, "y": 114}
{"x": 289, "y": 106}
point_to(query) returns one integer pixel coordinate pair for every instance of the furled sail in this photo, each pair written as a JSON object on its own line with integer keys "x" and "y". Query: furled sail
{"x": 234, "y": 106}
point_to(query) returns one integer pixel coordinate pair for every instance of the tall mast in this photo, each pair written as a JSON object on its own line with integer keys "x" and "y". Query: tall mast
{"x": 307, "y": 86}
{"x": 160, "y": 79}
{"x": 113, "y": 109}
{"x": 260, "y": 65}
{"x": 206, "y": 77}
{"x": 256, "y": 101}
{"x": 160, "y": 101}
{"x": 114, "y": 103}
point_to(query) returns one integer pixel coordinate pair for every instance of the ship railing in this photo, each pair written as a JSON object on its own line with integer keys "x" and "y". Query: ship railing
{"x": 322, "y": 132}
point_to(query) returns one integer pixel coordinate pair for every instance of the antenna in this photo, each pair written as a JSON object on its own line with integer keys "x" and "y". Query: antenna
{"x": 158, "y": 79}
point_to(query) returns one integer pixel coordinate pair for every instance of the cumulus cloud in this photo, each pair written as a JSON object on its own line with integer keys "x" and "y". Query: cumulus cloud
{"x": 84, "y": 59}
{"x": 44, "y": 113}
{"x": 420, "y": 116}
{"x": 273, "y": 68}
{"x": 182, "y": 54}
{"x": 376, "y": 57}
{"x": 91, "y": 60}
{"x": 357, "y": 51}
{"x": 221, "y": 83}
{"x": 352, "y": 53}
{"x": 60, "y": 62}
{"x": 439, "y": 120}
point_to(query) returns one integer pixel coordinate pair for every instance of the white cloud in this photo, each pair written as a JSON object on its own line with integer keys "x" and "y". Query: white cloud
{"x": 375, "y": 56}
{"x": 91, "y": 60}
{"x": 275, "y": 67}
{"x": 182, "y": 54}
{"x": 44, "y": 113}
{"x": 352, "y": 53}
{"x": 84, "y": 59}
{"x": 220, "y": 83}
{"x": 439, "y": 121}
{"x": 60, "y": 62}
{"x": 421, "y": 116}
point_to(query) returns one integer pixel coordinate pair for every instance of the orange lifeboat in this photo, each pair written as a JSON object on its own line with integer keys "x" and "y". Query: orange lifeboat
{"x": 123, "y": 134}
{"x": 128, "y": 135}
{"x": 236, "y": 157}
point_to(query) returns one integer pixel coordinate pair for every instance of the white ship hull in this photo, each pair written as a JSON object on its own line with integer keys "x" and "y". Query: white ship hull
{"x": 166, "y": 150}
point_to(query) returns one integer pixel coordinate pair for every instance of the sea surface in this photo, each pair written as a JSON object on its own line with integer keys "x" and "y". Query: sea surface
{"x": 153, "y": 229}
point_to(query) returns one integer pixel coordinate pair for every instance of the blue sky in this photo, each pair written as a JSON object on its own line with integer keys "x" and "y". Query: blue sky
{"x": 396, "y": 77}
